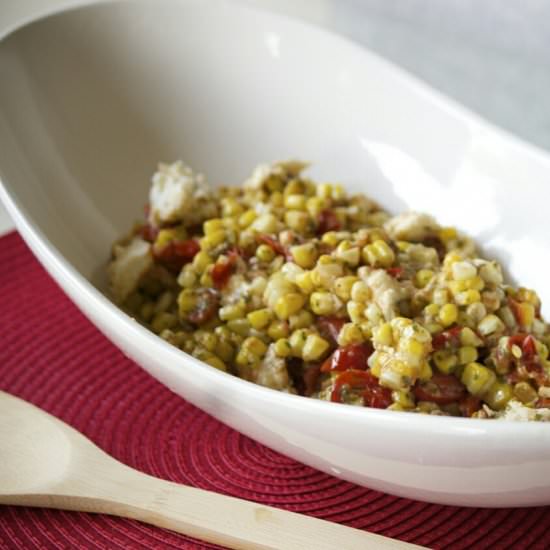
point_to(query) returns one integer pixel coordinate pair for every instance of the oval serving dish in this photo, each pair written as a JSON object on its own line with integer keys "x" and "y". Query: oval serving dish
{"x": 91, "y": 99}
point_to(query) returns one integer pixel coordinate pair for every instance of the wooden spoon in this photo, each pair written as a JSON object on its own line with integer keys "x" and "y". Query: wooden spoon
{"x": 44, "y": 462}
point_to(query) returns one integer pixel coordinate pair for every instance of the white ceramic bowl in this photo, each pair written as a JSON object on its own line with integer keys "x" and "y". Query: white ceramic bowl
{"x": 91, "y": 99}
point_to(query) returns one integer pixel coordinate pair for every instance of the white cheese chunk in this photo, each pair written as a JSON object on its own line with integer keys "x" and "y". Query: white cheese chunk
{"x": 129, "y": 265}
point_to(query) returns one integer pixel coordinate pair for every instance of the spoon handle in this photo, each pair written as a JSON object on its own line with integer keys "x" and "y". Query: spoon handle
{"x": 228, "y": 521}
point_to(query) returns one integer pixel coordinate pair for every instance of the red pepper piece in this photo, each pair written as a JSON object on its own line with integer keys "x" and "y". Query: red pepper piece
{"x": 206, "y": 308}
{"x": 395, "y": 272}
{"x": 469, "y": 405}
{"x": 374, "y": 395}
{"x": 223, "y": 269}
{"x": 176, "y": 253}
{"x": 447, "y": 338}
{"x": 440, "y": 388}
{"x": 273, "y": 243}
{"x": 327, "y": 221}
{"x": 351, "y": 357}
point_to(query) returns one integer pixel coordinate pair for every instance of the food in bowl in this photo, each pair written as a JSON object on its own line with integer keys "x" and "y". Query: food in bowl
{"x": 301, "y": 288}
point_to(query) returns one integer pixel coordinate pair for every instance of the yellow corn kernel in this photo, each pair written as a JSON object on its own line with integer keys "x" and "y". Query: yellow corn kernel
{"x": 423, "y": 277}
{"x": 305, "y": 255}
{"x": 525, "y": 393}
{"x": 224, "y": 350}
{"x": 412, "y": 350}
{"x": 314, "y": 205}
{"x": 187, "y": 278}
{"x": 528, "y": 295}
{"x": 447, "y": 234}
{"x": 475, "y": 283}
{"x": 295, "y": 202}
{"x": 186, "y": 301}
{"x": 498, "y": 395}
{"x": 425, "y": 371}
{"x": 348, "y": 253}
{"x": 431, "y": 310}
{"x": 297, "y": 341}
{"x": 456, "y": 287}
{"x": 276, "y": 199}
{"x": 246, "y": 359}
{"x": 215, "y": 362}
{"x": 314, "y": 347}
{"x": 448, "y": 314}
{"x": 440, "y": 296}
{"x": 525, "y": 314}
{"x": 201, "y": 261}
{"x": 467, "y": 354}
{"x": 207, "y": 340}
{"x": 165, "y": 236}
{"x": 469, "y": 338}
{"x": 330, "y": 238}
{"x": 338, "y": 192}
{"x": 403, "y": 398}
{"x": 288, "y": 305}
{"x": 433, "y": 328}
{"x": 355, "y": 311}
{"x": 239, "y": 326}
{"x": 490, "y": 324}
{"x": 210, "y": 226}
{"x": 350, "y": 333}
{"x": 378, "y": 254}
{"x": 445, "y": 361}
{"x": 254, "y": 345}
{"x": 324, "y": 191}
{"x": 297, "y": 220}
{"x": 451, "y": 258}
{"x": 206, "y": 279}
{"x": 283, "y": 347}
{"x": 162, "y": 321}
{"x": 463, "y": 270}
{"x": 467, "y": 297}
{"x": 323, "y": 303}
{"x": 302, "y": 319}
{"x": 265, "y": 253}
{"x": 294, "y": 187}
{"x": 230, "y": 207}
{"x": 231, "y": 312}
{"x": 266, "y": 223}
{"x": 304, "y": 281}
{"x": 360, "y": 292}
{"x": 477, "y": 378}
{"x": 278, "y": 329}
{"x": 260, "y": 318}
{"x": 343, "y": 286}
{"x": 382, "y": 335}
{"x": 246, "y": 218}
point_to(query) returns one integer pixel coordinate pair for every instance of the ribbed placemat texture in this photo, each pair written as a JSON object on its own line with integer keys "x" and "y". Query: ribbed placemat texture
{"x": 52, "y": 356}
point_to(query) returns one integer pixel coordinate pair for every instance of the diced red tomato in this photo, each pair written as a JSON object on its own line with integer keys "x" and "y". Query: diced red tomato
{"x": 273, "y": 243}
{"x": 223, "y": 269}
{"x": 374, "y": 395}
{"x": 447, "y": 338}
{"x": 206, "y": 308}
{"x": 440, "y": 388}
{"x": 351, "y": 357}
{"x": 468, "y": 405}
{"x": 176, "y": 253}
{"x": 329, "y": 327}
{"x": 395, "y": 272}
{"x": 327, "y": 221}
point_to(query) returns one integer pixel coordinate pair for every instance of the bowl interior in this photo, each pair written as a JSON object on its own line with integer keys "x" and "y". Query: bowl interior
{"x": 93, "y": 98}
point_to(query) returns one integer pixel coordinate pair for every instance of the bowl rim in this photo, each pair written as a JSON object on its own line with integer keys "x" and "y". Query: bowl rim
{"x": 61, "y": 269}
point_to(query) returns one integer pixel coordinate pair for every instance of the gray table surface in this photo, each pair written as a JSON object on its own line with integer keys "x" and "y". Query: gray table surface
{"x": 492, "y": 55}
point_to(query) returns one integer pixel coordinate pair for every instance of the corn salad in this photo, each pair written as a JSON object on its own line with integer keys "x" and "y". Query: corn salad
{"x": 305, "y": 289}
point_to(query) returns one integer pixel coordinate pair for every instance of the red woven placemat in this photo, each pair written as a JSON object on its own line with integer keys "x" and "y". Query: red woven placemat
{"x": 53, "y": 357}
